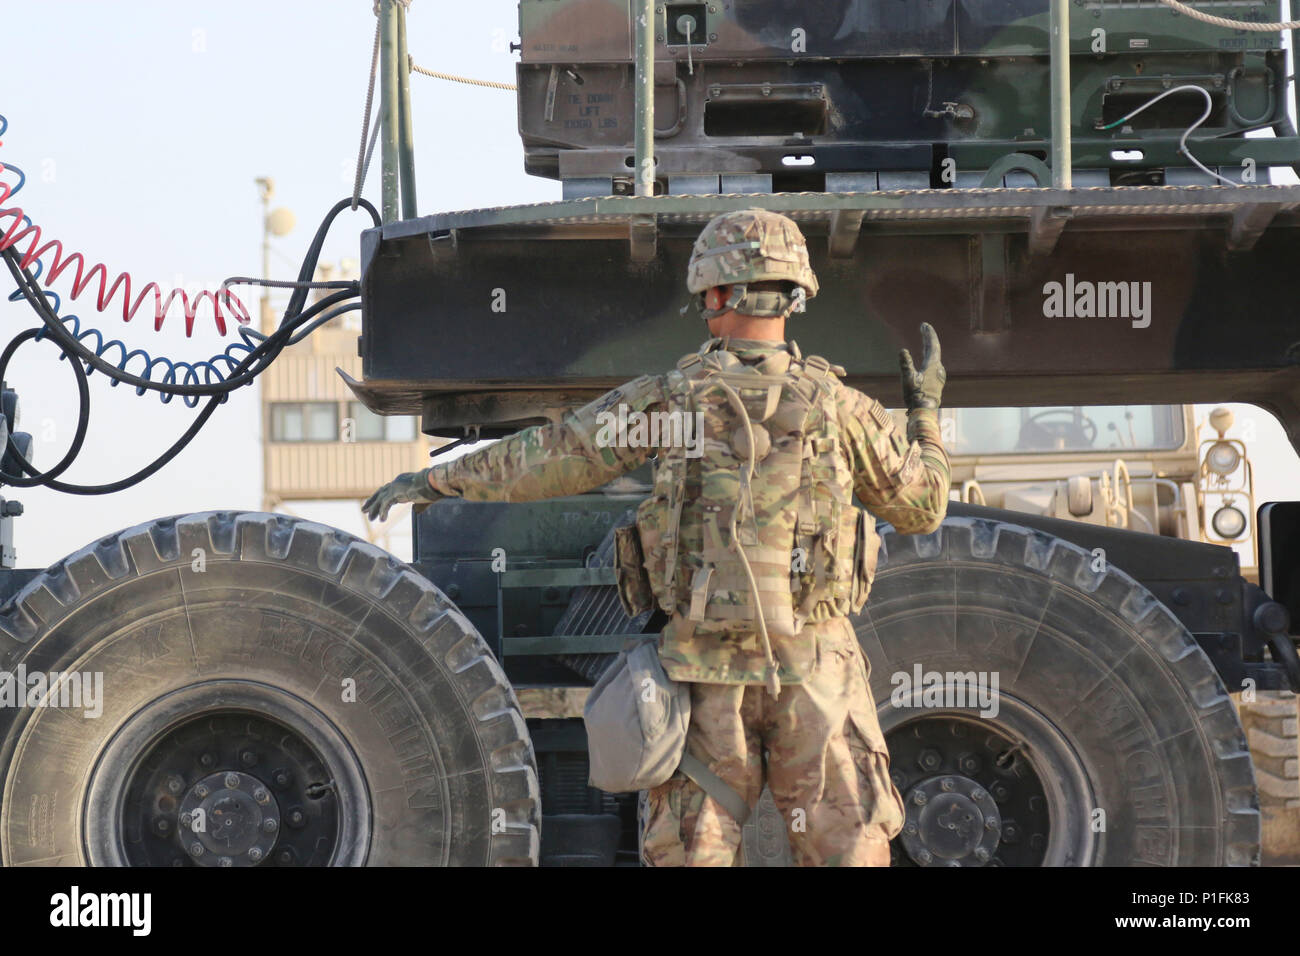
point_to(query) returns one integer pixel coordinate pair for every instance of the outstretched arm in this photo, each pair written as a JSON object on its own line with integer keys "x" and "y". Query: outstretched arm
{"x": 569, "y": 457}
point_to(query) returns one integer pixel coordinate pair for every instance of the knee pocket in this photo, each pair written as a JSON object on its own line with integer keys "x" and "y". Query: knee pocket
{"x": 884, "y": 812}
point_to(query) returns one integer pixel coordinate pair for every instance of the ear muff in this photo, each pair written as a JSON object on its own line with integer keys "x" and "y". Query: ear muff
{"x": 714, "y": 298}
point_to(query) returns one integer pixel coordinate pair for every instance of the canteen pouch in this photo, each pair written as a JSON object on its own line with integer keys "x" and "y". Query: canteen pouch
{"x": 636, "y": 722}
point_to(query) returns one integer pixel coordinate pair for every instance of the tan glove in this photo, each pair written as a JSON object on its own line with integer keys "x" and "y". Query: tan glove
{"x": 408, "y": 486}
{"x": 923, "y": 388}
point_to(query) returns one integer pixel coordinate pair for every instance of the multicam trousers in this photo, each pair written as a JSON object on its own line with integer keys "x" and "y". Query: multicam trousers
{"x": 818, "y": 744}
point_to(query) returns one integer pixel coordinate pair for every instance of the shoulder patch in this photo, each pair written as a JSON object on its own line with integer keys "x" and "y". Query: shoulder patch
{"x": 879, "y": 413}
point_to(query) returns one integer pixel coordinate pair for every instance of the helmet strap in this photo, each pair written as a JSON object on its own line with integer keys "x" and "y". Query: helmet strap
{"x": 761, "y": 305}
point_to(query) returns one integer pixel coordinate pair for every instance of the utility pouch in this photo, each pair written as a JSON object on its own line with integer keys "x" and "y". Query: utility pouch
{"x": 634, "y": 591}
{"x": 866, "y": 554}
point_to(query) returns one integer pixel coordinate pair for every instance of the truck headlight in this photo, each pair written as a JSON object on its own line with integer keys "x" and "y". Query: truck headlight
{"x": 1223, "y": 458}
{"x": 1228, "y": 522}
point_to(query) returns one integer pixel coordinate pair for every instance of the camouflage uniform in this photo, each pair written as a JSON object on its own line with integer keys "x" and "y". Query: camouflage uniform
{"x": 826, "y": 760}
{"x": 785, "y": 701}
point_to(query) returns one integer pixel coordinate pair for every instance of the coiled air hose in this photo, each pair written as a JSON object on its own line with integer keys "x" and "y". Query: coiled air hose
{"x": 215, "y": 378}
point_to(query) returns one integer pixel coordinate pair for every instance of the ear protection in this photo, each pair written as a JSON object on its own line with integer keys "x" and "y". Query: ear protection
{"x": 714, "y": 299}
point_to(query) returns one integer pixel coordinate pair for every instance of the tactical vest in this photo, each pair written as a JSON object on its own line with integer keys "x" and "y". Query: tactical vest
{"x": 757, "y": 514}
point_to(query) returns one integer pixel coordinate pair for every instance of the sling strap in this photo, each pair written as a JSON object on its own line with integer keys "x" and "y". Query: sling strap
{"x": 715, "y": 787}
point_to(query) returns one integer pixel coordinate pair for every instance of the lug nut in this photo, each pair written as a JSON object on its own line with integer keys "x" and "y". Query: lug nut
{"x": 296, "y": 818}
{"x": 919, "y": 798}
{"x": 946, "y": 783}
{"x": 270, "y": 824}
{"x": 260, "y": 795}
{"x": 231, "y": 780}
{"x": 981, "y": 854}
{"x": 201, "y": 790}
{"x": 910, "y": 829}
{"x": 978, "y": 794}
{"x": 248, "y": 758}
{"x": 990, "y": 823}
{"x": 255, "y": 854}
{"x": 175, "y": 784}
{"x": 923, "y": 856}
{"x": 163, "y": 826}
{"x": 196, "y": 849}
{"x": 281, "y": 778}
{"x": 929, "y": 759}
{"x": 207, "y": 760}
{"x": 284, "y": 857}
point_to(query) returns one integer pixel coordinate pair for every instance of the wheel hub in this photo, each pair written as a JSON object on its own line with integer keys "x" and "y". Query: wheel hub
{"x": 971, "y": 794}
{"x": 228, "y": 818}
{"x": 227, "y": 773}
{"x": 950, "y": 820}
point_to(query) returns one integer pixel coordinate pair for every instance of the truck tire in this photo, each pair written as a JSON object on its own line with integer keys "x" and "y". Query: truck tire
{"x": 274, "y": 692}
{"x": 1114, "y": 742}
{"x": 1271, "y": 730}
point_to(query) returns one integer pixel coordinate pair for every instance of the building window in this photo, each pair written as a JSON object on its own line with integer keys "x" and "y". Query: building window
{"x": 304, "y": 421}
{"x": 372, "y": 427}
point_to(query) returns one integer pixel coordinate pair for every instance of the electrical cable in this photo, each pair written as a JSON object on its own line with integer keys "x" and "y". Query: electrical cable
{"x": 191, "y": 380}
{"x": 83, "y": 421}
{"x": 35, "y": 297}
{"x": 261, "y": 356}
{"x": 1182, "y": 141}
{"x": 213, "y": 379}
{"x": 201, "y": 379}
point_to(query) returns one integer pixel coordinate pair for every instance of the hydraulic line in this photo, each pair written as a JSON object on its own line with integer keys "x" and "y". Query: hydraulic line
{"x": 190, "y": 380}
{"x": 254, "y": 363}
{"x": 1182, "y": 141}
{"x": 215, "y": 378}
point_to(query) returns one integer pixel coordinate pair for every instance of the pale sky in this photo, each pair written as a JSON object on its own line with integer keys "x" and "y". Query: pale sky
{"x": 142, "y": 126}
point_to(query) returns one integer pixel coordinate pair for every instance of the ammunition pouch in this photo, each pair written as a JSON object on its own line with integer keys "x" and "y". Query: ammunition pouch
{"x": 630, "y": 576}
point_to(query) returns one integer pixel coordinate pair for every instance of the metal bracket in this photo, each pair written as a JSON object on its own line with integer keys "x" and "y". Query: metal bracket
{"x": 845, "y": 225}
{"x": 1046, "y": 224}
{"x": 989, "y": 280}
{"x": 643, "y": 235}
{"x": 1248, "y": 223}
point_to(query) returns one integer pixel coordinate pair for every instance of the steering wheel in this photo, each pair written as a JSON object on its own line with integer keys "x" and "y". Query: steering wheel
{"x": 1038, "y": 433}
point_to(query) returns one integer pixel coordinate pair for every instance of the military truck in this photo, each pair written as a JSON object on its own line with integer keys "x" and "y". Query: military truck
{"x": 1149, "y": 468}
{"x": 1031, "y": 178}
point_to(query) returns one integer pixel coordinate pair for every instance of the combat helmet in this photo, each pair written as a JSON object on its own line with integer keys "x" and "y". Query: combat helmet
{"x": 751, "y": 245}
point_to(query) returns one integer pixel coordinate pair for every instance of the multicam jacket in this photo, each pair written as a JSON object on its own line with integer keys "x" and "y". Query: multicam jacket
{"x": 904, "y": 481}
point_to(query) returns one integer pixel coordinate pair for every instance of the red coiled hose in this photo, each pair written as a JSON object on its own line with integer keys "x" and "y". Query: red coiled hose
{"x": 18, "y": 231}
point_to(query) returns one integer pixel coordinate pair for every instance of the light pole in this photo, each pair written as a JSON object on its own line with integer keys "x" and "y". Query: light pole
{"x": 278, "y": 222}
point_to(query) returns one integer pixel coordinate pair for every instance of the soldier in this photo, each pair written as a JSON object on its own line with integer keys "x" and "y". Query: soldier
{"x": 751, "y": 544}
